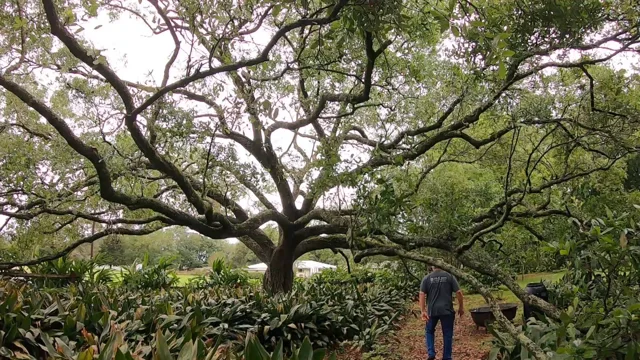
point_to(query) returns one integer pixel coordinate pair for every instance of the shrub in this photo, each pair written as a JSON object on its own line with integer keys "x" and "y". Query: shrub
{"x": 150, "y": 276}
{"x": 81, "y": 316}
{"x": 221, "y": 275}
{"x": 76, "y": 269}
{"x": 599, "y": 297}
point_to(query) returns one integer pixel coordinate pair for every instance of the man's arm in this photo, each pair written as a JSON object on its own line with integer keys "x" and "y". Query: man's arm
{"x": 423, "y": 306}
{"x": 460, "y": 298}
{"x": 456, "y": 288}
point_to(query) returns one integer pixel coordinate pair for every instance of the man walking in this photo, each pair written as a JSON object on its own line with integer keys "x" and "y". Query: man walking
{"x": 438, "y": 288}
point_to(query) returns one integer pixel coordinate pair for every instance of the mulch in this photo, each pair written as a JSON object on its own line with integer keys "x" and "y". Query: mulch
{"x": 408, "y": 342}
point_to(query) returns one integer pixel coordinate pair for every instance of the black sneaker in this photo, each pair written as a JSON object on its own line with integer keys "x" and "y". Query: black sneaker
{"x": 431, "y": 358}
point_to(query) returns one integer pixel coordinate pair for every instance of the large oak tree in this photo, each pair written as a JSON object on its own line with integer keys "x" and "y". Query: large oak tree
{"x": 337, "y": 120}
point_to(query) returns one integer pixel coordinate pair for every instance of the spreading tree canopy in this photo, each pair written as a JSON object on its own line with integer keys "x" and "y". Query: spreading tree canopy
{"x": 380, "y": 126}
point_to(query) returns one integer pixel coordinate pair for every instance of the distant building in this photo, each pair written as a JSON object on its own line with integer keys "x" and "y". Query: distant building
{"x": 302, "y": 268}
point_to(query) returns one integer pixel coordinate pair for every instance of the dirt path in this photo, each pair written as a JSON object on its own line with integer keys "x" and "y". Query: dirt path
{"x": 409, "y": 344}
{"x": 468, "y": 343}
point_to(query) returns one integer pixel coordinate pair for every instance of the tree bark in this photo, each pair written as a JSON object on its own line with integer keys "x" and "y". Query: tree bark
{"x": 279, "y": 275}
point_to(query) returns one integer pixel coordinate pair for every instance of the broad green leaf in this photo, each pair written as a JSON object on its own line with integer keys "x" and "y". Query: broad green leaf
{"x": 47, "y": 342}
{"x": 306, "y": 350}
{"x": 188, "y": 352}
{"x": 277, "y": 353}
{"x": 87, "y": 355}
{"x": 319, "y": 354}
{"x": 162, "y": 349}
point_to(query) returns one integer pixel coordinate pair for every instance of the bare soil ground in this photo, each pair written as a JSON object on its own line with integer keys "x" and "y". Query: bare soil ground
{"x": 408, "y": 342}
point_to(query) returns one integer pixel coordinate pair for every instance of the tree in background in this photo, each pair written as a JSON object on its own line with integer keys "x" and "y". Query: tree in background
{"x": 241, "y": 256}
{"x": 113, "y": 252}
{"x": 188, "y": 249}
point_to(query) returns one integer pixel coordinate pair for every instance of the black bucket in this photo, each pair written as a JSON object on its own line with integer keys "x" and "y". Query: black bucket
{"x": 538, "y": 290}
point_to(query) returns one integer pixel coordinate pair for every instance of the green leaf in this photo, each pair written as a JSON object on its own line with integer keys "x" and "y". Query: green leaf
{"x": 442, "y": 21}
{"x": 277, "y": 353}
{"x": 162, "y": 349}
{"x": 187, "y": 352}
{"x": 47, "y": 343}
{"x": 456, "y": 31}
{"x": 107, "y": 350}
{"x": 609, "y": 212}
{"x": 123, "y": 356}
{"x": 590, "y": 332}
{"x": 319, "y": 354}
{"x": 87, "y": 355}
{"x": 266, "y": 104}
{"x": 502, "y": 70}
{"x": 452, "y": 5}
{"x": 276, "y": 10}
{"x": 635, "y": 307}
{"x": 254, "y": 350}
{"x": 632, "y": 351}
{"x": 306, "y": 350}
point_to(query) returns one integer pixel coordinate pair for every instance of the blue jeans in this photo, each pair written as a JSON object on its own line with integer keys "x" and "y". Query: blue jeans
{"x": 447, "y": 334}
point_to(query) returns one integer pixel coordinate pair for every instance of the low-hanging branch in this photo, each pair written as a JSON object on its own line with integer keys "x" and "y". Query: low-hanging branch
{"x": 26, "y": 275}
{"x": 86, "y": 240}
{"x": 478, "y": 260}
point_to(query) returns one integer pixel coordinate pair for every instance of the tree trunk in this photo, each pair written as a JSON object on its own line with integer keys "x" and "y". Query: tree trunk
{"x": 279, "y": 275}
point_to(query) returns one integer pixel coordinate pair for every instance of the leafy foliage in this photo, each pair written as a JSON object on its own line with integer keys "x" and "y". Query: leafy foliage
{"x": 221, "y": 275}
{"x": 76, "y": 270}
{"x": 600, "y": 296}
{"x": 150, "y": 276}
{"x": 81, "y": 317}
{"x": 190, "y": 250}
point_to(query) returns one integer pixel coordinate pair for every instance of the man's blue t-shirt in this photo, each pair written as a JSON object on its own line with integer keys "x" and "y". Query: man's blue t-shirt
{"x": 439, "y": 287}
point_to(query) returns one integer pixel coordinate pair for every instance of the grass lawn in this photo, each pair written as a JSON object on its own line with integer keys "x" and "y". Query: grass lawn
{"x": 523, "y": 280}
{"x": 183, "y": 279}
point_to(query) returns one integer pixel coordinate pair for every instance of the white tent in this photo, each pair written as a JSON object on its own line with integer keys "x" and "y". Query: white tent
{"x": 303, "y": 268}
{"x": 262, "y": 267}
